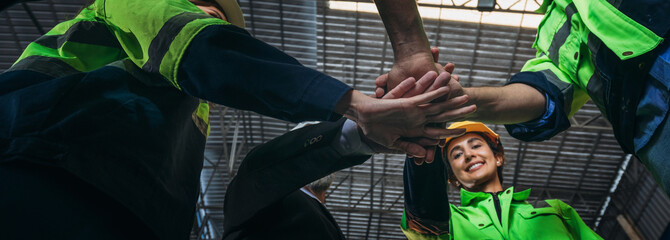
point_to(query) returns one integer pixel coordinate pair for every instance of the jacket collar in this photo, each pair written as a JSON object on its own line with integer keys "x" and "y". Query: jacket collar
{"x": 468, "y": 198}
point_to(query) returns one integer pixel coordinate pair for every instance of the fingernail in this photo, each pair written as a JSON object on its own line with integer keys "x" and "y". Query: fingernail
{"x": 418, "y": 162}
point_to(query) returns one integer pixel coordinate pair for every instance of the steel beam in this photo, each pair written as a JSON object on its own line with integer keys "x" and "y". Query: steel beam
{"x": 631, "y": 230}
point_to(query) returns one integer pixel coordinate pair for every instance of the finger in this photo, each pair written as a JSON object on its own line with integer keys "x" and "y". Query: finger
{"x": 426, "y": 142}
{"x": 401, "y": 89}
{"x": 410, "y": 148}
{"x": 382, "y": 80}
{"x": 436, "y": 53}
{"x": 430, "y": 155}
{"x": 443, "y": 142}
{"x": 418, "y": 161}
{"x": 379, "y": 92}
{"x": 424, "y": 82}
{"x": 429, "y": 96}
{"x": 456, "y": 77}
{"x": 441, "y": 107}
{"x": 441, "y": 133}
{"x": 452, "y": 114}
{"x": 440, "y": 81}
{"x": 450, "y": 67}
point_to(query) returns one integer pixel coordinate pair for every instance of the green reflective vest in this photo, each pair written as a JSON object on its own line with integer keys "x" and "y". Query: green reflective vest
{"x": 154, "y": 40}
{"x": 477, "y": 218}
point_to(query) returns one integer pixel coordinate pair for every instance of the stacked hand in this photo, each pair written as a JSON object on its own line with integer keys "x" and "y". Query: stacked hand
{"x": 400, "y": 124}
{"x": 452, "y": 102}
{"x": 416, "y": 66}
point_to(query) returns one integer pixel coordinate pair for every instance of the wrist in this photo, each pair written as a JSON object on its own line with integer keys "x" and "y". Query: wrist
{"x": 413, "y": 52}
{"x": 349, "y": 104}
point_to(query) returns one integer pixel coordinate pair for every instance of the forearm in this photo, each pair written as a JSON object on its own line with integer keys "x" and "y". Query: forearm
{"x": 405, "y": 30}
{"x": 225, "y": 65}
{"x": 404, "y": 27}
{"x": 426, "y": 200}
{"x": 272, "y": 170}
{"x": 514, "y": 103}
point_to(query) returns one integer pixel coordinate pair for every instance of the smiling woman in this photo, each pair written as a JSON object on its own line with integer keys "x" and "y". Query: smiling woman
{"x": 473, "y": 162}
{"x": 475, "y": 158}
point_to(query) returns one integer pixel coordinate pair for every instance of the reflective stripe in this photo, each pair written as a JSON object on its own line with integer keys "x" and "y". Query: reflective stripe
{"x": 595, "y": 87}
{"x": 566, "y": 88}
{"x": 562, "y": 34}
{"x": 596, "y": 91}
{"x": 594, "y": 44}
{"x": 88, "y": 32}
{"x": 201, "y": 118}
{"x": 163, "y": 39}
{"x": 53, "y": 67}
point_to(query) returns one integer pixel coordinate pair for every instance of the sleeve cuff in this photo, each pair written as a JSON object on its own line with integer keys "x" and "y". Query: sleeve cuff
{"x": 553, "y": 121}
{"x": 348, "y": 142}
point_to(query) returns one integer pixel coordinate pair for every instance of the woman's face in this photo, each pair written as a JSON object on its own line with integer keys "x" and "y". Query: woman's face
{"x": 473, "y": 162}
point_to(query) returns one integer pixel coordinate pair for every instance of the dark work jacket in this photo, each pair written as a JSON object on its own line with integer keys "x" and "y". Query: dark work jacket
{"x": 134, "y": 135}
{"x": 264, "y": 200}
{"x": 616, "y": 86}
{"x": 624, "y": 79}
{"x": 130, "y": 135}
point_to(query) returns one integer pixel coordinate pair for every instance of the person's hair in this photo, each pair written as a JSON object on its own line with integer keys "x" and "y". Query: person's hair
{"x": 495, "y": 148}
{"x": 322, "y": 184}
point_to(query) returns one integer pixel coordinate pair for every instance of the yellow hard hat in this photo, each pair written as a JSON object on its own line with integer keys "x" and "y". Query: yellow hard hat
{"x": 232, "y": 11}
{"x": 474, "y": 127}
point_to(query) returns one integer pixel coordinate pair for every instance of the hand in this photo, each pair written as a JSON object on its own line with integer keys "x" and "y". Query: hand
{"x": 400, "y": 91}
{"x": 428, "y": 82}
{"x": 425, "y": 85}
{"x": 413, "y": 66}
{"x": 389, "y": 122}
{"x": 422, "y": 86}
{"x": 452, "y": 110}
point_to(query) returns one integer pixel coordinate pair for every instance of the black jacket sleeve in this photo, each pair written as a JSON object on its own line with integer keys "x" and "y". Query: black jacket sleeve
{"x": 274, "y": 169}
{"x": 426, "y": 199}
{"x": 225, "y": 65}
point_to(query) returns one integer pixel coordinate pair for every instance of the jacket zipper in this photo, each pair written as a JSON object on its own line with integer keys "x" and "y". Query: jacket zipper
{"x": 496, "y": 204}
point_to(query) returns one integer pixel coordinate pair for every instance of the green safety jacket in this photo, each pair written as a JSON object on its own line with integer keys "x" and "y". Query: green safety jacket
{"x": 116, "y": 96}
{"x": 108, "y": 31}
{"x": 476, "y": 218}
{"x": 592, "y": 49}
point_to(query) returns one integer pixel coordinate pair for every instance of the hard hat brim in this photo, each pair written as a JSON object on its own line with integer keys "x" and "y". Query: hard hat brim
{"x": 473, "y": 127}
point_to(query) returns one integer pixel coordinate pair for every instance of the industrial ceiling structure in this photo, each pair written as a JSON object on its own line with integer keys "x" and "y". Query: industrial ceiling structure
{"x": 583, "y": 166}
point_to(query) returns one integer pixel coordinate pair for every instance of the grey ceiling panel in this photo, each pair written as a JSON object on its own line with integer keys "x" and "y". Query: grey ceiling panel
{"x": 579, "y": 166}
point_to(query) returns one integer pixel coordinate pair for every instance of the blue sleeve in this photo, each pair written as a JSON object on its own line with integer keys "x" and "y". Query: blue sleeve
{"x": 553, "y": 121}
{"x": 427, "y": 207}
{"x": 226, "y": 65}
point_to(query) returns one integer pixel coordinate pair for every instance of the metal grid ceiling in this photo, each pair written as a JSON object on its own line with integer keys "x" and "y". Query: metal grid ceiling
{"x": 580, "y": 166}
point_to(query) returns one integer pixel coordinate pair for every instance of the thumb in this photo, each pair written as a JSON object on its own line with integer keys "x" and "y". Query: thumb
{"x": 382, "y": 80}
{"x": 410, "y": 148}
